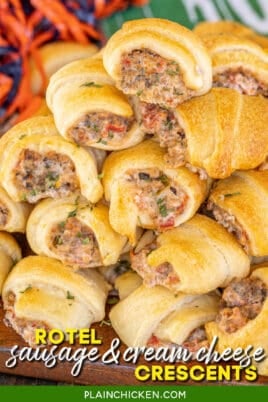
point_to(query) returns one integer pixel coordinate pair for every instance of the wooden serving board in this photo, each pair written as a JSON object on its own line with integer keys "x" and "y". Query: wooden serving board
{"x": 95, "y": 373}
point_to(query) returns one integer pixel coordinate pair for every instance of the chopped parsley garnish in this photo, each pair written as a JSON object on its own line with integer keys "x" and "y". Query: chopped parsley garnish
{"x": 24, "y": 197}
{"x": 139, "y": 92}
{"x": 112, "y": 300}
{"x": 110, "y": 134}
{"x": 105, "y": 322}
{"x": 100, "y": 176}
{"x": 91, "y": 84}
{"x": 169, "y": 124}
{"x": 164, "y": 179}
{"x": 62, "y": 225}
{"x": 172, "y": 72}
{"x": 102, "y": 141}
{"x": 58, "y": 240}
{"x": 95, "y": 128}
{"x": 232, "y": 194}
{"x": 22, "y": 136}
{"x": 162, "y": 207}
{"x": 69, "y": 296}
{"x": 177, "y": 92}
{"x": 33, "y": 193}
{"x": 85, "y": 240}
{"x": 29, "y": 287}
{"x": 72, "y": 213}
{"x": 52, "y": 176}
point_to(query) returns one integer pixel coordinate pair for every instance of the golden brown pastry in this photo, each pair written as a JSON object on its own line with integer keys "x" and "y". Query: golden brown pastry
{"x": 238, "y": 63}
{"x": 239, "y": 203}
{"x": 220, "y": 27}
{"x": 54, "y": 56}
{"x": 36, "y": 162}
{"x": 243, "y": 316}
{"x": 75, "y": 232}
{"x": 213, "y": 133}
{"x": 89, "y": 110}
{"x": 230, "y": 27}
{"x": 145, "y": 192}
{"x": 155, "y": 317}
{"x": 175, "y": 64}
{"x": 10, "y": 254}
{"x": 197, "y": 257}
{"x": 13, "y": 215}
{"x": 127, "y": 283}
{"x": 41, "y": 292}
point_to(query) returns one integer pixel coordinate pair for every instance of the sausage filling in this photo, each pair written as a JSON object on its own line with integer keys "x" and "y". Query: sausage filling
{"x": 163, "y": 274}
{"x": 103, "y": 127}
{"x": 24, "y": 327}
{"x": 162, "y": 123}
{"x": 159, "y": 199}
{"x": 151, "y": 77}
{"x": 241, "y": 302}
{"x": 44, "y": 175}
{"x": 230, "y": 223}
{"x": 196, "y": 340}
{"x": 4, "y": 214}
{"x": 242, "y": 81}
{"x": 75, "y": 244}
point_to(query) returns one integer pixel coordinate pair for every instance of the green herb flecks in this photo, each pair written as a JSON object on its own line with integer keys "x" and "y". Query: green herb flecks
{"x": 72, "y": 214}
{"x": 85, "y": 240}
{"x": 105, "y": 322}
{"x": 162, "y": 207}
{"x": 100, "y": 176}
{"x": 58, "y": 240}
{"x": 69, "y": 295}
{"x": 33, "y": 193}
{"x": 112, "y": 300}
{"x": 62, "y": 225}
{"x": 232, "y": 194}
{"x": 91, "y": 84}
{"x": 138, "y": 93}
{"x": 29, "y": 287}
{"x": 164, "y": 179}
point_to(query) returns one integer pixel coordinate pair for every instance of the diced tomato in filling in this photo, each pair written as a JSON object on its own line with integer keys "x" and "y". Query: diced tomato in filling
{"x": 241, "y": 80}
{"x": 44, "y": 175}
{"x": 153, "y": 78}
{"x": 156, "y": 196}
{"x": 101, "y": 127}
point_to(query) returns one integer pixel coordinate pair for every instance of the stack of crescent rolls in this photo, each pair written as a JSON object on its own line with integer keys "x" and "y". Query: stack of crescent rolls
{"x": 148, "y": 179}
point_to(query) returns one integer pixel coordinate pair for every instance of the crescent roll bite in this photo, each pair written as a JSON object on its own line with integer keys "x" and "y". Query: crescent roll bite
{"x": 212, "y": 134}
{"x": 13, "y": 215}
{"x": 89, "y": 110}
{"x": 238, "y": 63}
{"x": 197, "y": 257}
{"x": 36, "y": 162}
{"x": 41, "y": 292}
{"x": 10, "y": 254}
{"x": 75, "y": 232}
{"x": 144, "y": 191}
{"x": 154, "y": 317}
{"x": 239, "y": 203}
{"x": 158, "y": 60}
{"x": 242, "y": 318}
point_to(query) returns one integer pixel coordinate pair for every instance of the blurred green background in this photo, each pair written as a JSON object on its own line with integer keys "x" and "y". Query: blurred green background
{"x": 188, "y": 12}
